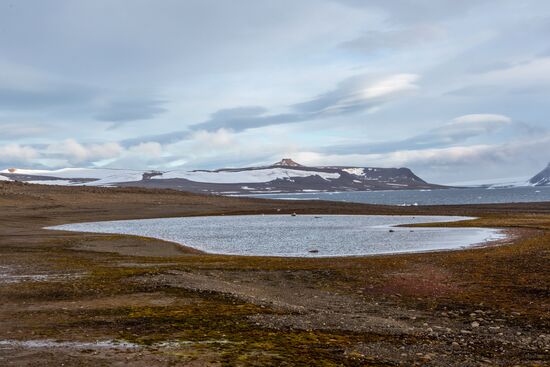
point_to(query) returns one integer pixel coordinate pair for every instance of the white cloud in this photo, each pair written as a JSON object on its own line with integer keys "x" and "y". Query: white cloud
{"x": 481, "y": 118}
{"x": 390, "y": 86}
{"x": 149, "y": 149}
{"x": 219, "y": 139}
{"x": 17, "y": 153}
{"x": 76, "y": 152}
{"x": 451, "y": 164}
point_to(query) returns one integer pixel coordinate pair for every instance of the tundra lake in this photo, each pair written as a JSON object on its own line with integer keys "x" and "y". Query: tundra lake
{"x": 300, "y": 236}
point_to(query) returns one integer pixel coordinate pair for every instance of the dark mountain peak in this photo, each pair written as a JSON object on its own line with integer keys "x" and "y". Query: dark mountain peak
{"x": 287, "y": 162}
{"x": 542, "y": 178}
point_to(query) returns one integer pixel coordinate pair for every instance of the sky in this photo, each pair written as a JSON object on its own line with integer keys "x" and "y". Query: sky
{"x": 455, "y": 90}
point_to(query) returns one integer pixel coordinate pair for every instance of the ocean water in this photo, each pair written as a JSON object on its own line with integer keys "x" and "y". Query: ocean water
{"x": 299, "y": 236}
{"x": 428, "y": 197}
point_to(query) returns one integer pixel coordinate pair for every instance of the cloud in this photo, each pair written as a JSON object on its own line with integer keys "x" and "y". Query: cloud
{"x": 419, "y": 11}
{"x": 455, "y": 131}
{"x": 25, "y": 90}
{"x": 359, "y": 93}
{"x": 75, "y": 152}
{"x": 130, "y": 109}
{"x": 374, "y": 41}
{"x": 15, "y": 153}
{"x": 477, "y": 119}
{"x": 474, "y": 158}
{"x": 19, "y": 130}
{"x": 352, "y": 95}
{"x": 149, "y": 149}
{"x": 206, "y": 140}
{"x": 242, "y": 118}
{"x": 522, "y": 157}
{"x": 44, "y": 97}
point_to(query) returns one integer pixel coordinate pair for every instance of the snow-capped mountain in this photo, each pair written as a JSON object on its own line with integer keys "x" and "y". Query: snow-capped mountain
{"x": 285, "y": 176}
{"x": 542, "y": 178}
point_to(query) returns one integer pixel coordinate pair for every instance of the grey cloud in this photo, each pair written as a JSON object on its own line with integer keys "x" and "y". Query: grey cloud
{"x": 249, "y": 122}
{"x": 343, "y": 99}
{"x": 497, "y": 65}
{"x": 445, "y": 135}
{"x": 509, "y": 160}
{"x": 352, "y": 95}
{"x": 239, "y": 112}
{"x": 374, "y": 41}
{"x": 80, "y": 99}
{"x": 475, "y": 90}
{"x": 417, "y": 11}
{"x": 348, "y": 97}
{"x": 11, "y": 131}
{"x": 242, "y": 118}
{"x": 124, "y": 110}
{"x": 54, "y": 96}
{"x": 509, "y": 46}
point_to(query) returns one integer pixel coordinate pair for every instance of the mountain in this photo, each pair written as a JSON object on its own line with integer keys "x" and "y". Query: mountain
{"x": 542, "y": 178}
{"x": 285, "y": 176}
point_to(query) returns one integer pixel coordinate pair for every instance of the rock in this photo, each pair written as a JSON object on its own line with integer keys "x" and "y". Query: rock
{"x": 475, "y": 324}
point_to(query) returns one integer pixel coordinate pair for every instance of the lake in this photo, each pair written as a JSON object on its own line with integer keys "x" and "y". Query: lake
{"x": 427, "y": 197}
{"x": 299, "y": 236}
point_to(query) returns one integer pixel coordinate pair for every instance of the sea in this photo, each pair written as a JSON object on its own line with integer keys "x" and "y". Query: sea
{"x": 427, "y": 197}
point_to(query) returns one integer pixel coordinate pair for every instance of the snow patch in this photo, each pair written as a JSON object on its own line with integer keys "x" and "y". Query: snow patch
{"x": 355, "y": 171}
{"x": 53, "y": 182}
{"x": 100, "y": 176}
{"x": 49, "y": 343}
{"x": 246, "y": 176}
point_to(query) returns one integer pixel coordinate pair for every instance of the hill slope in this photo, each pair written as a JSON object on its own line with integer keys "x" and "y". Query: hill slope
{"x": 542, "y": 178}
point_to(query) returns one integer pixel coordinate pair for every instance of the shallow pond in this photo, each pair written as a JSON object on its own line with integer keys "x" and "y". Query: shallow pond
{"x": 299, "y": 236}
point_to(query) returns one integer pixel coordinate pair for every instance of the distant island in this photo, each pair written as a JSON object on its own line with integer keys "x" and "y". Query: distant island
{"x": 285, "y": 176}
